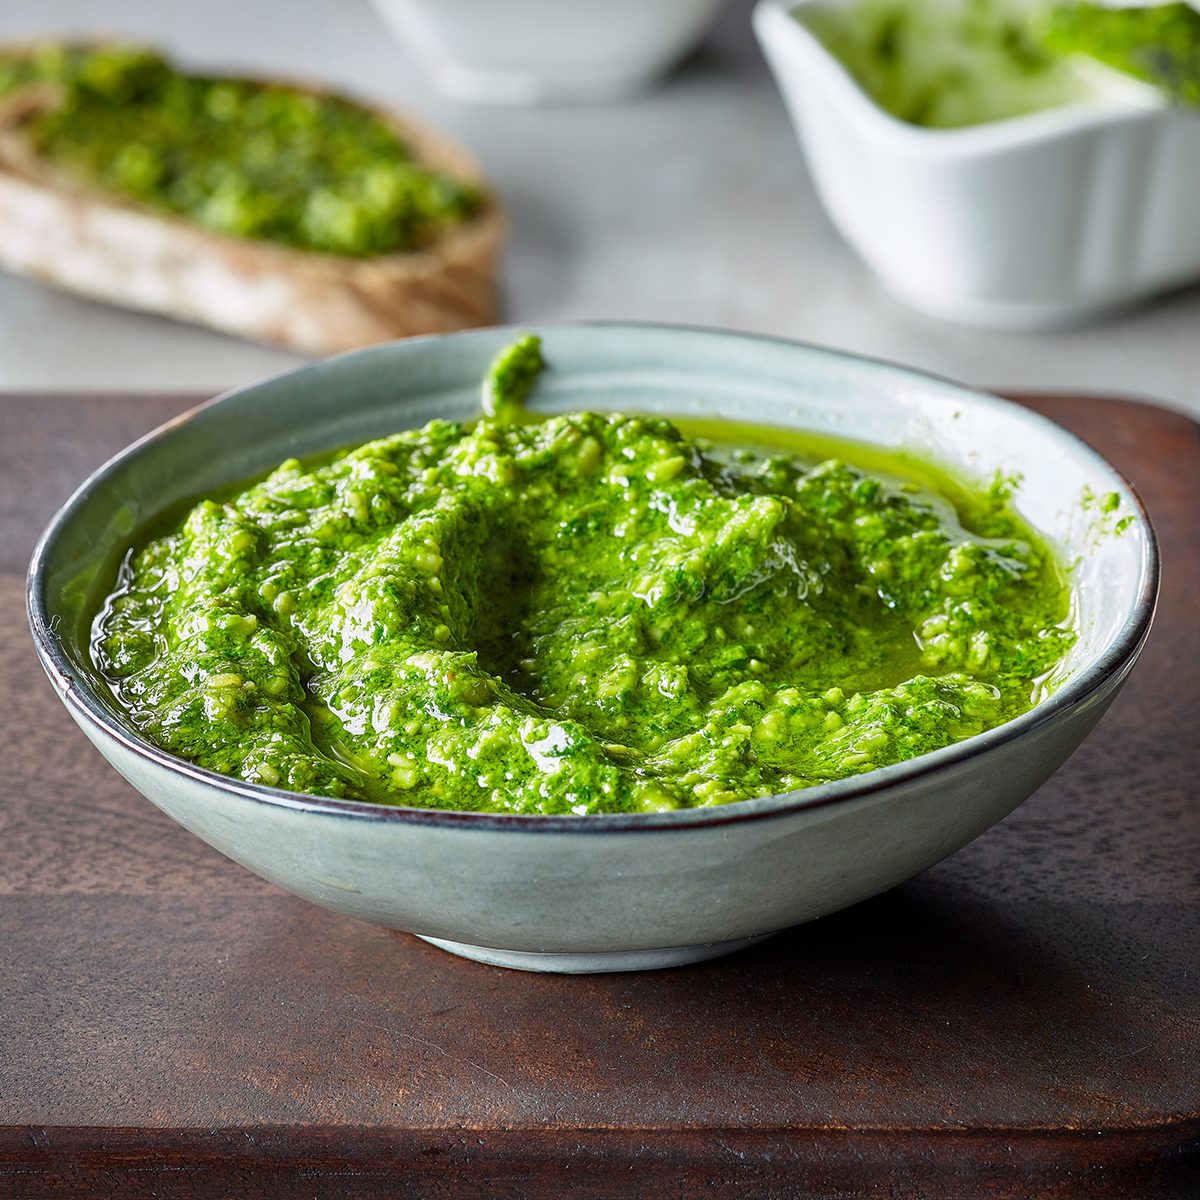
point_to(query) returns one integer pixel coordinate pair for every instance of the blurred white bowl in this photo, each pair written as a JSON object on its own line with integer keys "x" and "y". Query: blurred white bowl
{"x": 1032, "y": 222}
{"x": 547, "y": 51}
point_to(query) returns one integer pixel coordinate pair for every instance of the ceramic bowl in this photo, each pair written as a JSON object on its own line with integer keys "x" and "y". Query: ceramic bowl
{"x": 547, "y": 51}
{"x": 624, "y": 891}
{"x": 1033, "y": 222}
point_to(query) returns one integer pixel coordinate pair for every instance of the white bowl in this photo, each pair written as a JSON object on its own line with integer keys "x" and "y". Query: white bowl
{"x": 632, "y": 890}
{"x": 547, "y": 51}
{"x": 1032, "y": 222}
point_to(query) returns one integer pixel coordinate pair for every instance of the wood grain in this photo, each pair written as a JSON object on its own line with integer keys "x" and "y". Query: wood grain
{"x": 1022, "y": 1020}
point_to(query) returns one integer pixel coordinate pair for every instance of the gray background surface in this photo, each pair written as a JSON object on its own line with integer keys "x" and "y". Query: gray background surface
{"x": 690, "y": 204}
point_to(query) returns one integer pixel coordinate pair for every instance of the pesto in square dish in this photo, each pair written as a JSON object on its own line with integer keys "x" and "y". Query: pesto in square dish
{"x": 947, "y": 64}
{"x": 581, "y": 613}
{"x": 944, "y": 64}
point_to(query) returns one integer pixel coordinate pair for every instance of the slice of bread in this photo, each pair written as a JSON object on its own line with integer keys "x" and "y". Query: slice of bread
{"x": 95, "y": 244}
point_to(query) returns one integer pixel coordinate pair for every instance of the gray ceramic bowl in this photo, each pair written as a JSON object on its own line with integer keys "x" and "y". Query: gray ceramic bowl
{"x": 610, "y": 892}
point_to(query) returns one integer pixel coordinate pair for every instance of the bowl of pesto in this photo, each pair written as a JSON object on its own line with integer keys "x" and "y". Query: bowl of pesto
{"x": 619, "y": 646}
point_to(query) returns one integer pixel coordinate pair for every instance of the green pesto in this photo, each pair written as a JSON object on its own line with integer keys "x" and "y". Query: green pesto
{"x": 511, "y": 379}
{"x": 582, "y": 613}
{"x": 1106, "y": 506}
{"x": 944, "y": 65}
{"x": 246, "y": 159}
{"x": 1158, "y": 44}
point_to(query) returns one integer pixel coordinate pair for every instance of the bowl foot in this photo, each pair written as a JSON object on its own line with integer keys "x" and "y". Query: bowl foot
{"x": 527, "y": 88}
{"x": 596, "y": 961}
{"x": 1012, "y": 316}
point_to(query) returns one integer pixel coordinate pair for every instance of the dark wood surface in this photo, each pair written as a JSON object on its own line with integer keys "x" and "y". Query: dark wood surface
{"x": 1023, "y": 1020}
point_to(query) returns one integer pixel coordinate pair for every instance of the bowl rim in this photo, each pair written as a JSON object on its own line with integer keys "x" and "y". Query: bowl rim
{"x": 774, "y": 23}
{"x": 78, "y": 694}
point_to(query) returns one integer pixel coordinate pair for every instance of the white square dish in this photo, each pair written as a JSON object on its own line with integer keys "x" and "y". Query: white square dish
{"x": 1032, "y": 222}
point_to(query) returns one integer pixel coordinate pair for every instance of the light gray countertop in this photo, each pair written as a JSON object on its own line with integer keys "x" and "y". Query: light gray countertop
{"x": 689, "y": 204}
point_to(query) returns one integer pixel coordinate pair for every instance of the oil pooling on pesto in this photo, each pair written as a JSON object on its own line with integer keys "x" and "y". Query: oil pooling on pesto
{"x": 581, "y": 613}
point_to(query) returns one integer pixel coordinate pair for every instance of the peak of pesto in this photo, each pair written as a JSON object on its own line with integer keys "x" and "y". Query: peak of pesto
{"x": 511, "y": 378}
{"x": 266, "y": 161}
{"x": 592, "y": 612}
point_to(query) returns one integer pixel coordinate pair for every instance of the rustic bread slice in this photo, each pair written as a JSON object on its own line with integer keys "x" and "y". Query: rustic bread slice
{"x": 85, "y": 241}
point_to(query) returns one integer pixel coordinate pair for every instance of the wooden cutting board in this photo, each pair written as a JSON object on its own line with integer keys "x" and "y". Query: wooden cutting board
{"x": 1022, "y": 1020}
